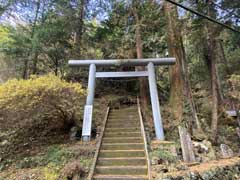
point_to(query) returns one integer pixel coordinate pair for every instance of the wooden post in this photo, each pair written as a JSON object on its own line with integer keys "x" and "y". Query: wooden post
{"x": 238, "y": 128}
{"x": 238, "y": 117}
{"x": 186, "y": 144}
{"x": 238, "y": 132}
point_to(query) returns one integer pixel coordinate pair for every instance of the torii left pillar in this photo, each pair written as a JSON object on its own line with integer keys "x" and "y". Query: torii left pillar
{"x": 87, "y": 121}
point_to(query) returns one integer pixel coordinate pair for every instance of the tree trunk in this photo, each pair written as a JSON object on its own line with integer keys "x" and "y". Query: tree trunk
{"x": 219, "y": 89}
{"x": 35, "y": 58}
{"x": 188, "y": 93}
{"x": 56, "y": 67}
{"x": 223, "y": 57}
{"x": 25, "y": 69}
{"x": 79, "y": 31}
{"x": 143, "y": 81}
{"x": 175, "y": 72}
{"x": 214, "y": 124}
{"x": 29, "y": 54}
{"x": 179, "y": 80}
{"x": 211, "y": 62}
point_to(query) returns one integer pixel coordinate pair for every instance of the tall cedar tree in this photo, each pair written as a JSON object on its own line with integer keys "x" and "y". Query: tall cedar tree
{"x": 179, "y": 80}
{"x": 139, "y": 50}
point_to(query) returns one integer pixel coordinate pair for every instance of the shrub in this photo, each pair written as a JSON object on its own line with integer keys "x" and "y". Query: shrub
{"x": 39, "y": 105}
{"x": 164, "y": 155}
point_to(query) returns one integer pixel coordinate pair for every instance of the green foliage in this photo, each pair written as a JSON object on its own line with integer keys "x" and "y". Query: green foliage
{"x": 42, "y": 99}
{"x": 50, "y": 172}
{"x": 164, "y": 155}
{"x": 26, "y": 94}
{"x": 55, "y": 155}
{"x": 38, "y": 106}
{"x": 4, "y": 36}
{"x": 52, "y": 161}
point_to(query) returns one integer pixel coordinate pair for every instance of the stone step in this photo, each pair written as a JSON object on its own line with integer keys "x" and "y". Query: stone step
{"x": 133, "y": 129}
{"x": 121, "y": 170}
{"x": 121, "y": 161}
{"x": 136, "y": 123}
{"x": 122, "y": 177}
{"x": 126, "y": 108}
{"x": 134, "y": 110}
{"x": 123, "y": 120}
{"x": 126, "y": 116}
{"x": 122, "y": 134}
{"x": 122, "y": 146}
{"x": 122, "y": 140}
{"x": 123, "y": 125}
{"x": 120, "y": 122}
{"x": 121, "y": 153}
{"x": 123, "y": 114}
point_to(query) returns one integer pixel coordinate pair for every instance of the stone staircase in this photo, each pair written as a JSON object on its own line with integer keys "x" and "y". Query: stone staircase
{"x": 122, "y": 153}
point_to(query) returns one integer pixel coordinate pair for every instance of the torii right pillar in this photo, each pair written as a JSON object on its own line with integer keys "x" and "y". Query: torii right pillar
{"x": 157, "y": 118}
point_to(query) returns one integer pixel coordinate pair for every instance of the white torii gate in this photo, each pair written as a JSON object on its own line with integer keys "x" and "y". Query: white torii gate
{"x": 150, "y": 73}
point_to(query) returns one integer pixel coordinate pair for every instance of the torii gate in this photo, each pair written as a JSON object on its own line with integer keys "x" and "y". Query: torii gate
{"x": 150, "y": 73}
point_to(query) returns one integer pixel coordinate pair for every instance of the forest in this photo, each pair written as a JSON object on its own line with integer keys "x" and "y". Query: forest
{"x": 42, "y": 98}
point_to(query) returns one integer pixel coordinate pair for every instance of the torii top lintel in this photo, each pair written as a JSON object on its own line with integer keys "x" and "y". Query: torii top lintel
{"x": 123, "y": 62}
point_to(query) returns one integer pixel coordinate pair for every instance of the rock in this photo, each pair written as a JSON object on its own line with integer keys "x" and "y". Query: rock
{"x": 182, "y": 167}
{"x": 211, "y": 152}
{"x": 204, "y": 151}
{"x": 238, "y": 132}
{"x": 4, "y": 143}
{"x": 201, "y": 148}
{"x": 155, "y": 161}
{"x": 72, "y": 170}
{"x": 99, "y": 130}
{"x": 74, "y": 133}
{"x": 164, "y": 170}
{"x": 194, "y": 175}
{"x": 198, "y": 135}
{"x": 226, "y": 151}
